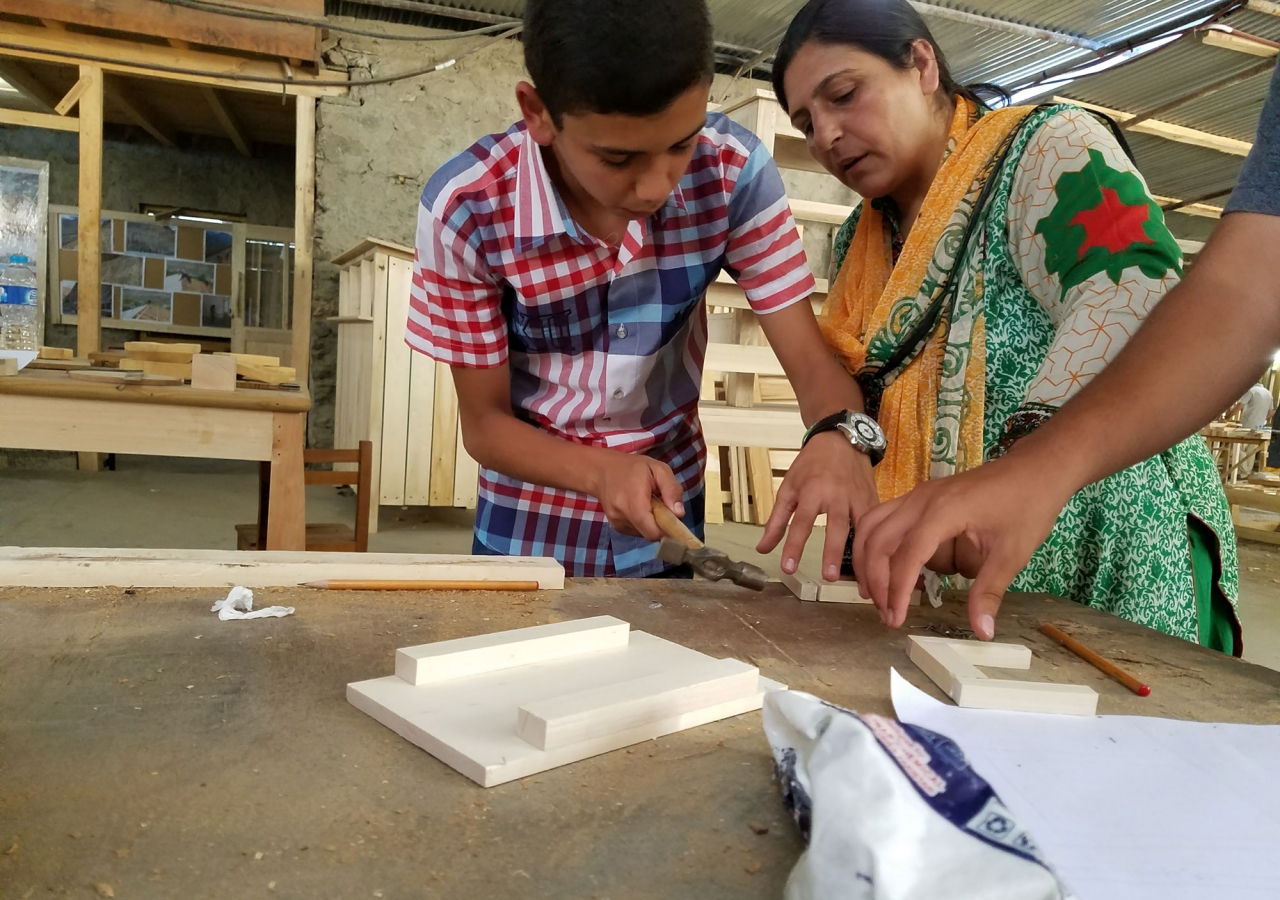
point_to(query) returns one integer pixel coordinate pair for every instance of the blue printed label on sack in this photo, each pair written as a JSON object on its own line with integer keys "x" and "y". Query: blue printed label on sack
{"x": 937, "y": 767}
{"x": 17, "y": 295}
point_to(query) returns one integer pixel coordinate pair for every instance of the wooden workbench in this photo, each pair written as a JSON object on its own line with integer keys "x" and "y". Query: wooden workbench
{"x": 148, "y": 747}
{"x": 46, "y": 410}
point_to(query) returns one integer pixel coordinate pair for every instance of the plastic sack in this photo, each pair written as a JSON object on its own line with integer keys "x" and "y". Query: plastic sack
{"x": 893, "y": 812}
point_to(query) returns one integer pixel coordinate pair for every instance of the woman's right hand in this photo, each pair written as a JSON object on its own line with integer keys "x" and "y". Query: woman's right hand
{"x": 829, "y": 476}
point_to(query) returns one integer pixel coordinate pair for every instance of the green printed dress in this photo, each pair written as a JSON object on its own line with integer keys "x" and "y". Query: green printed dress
{"x": 1071, "y": 255}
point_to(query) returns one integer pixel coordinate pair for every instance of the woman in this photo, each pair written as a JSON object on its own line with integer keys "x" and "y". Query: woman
{"x": 1002, "y": 258}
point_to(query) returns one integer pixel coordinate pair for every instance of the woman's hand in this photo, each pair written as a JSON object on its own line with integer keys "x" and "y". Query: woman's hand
{"x": 829, "y": 476}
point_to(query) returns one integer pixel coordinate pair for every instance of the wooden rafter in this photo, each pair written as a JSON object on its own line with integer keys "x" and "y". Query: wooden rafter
{"x": 67, "y": 103}
{"x": 26, "y": 83}
{"x": 228, "y": 122}
{"x": 200, "y": 26}
{"x": 137, "y": 111}
{"x": 38, "y": 120}
{"x": 1169, "y": 131}
{"x": 157, "y": 61}
{"x": 1241, "y": 43}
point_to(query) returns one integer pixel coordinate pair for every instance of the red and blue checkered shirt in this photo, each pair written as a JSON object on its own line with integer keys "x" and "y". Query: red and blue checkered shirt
{"x": 603, "y": 350}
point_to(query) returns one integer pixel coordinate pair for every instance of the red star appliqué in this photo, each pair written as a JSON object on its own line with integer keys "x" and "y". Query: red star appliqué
{"x": 1113, "y": 225}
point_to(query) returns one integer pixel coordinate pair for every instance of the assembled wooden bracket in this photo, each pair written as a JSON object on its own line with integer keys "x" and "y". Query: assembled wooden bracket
{"x": 953, "y": 666}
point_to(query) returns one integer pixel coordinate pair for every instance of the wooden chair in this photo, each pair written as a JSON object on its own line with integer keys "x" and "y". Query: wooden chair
{"x": 332, "y": 537}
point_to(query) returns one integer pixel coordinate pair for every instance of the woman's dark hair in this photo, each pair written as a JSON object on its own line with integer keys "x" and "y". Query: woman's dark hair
{"x": 886, "y": 28}
{"x": 633, "y": 57}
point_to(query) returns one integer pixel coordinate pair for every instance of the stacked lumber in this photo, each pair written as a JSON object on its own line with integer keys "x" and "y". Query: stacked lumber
{"x": 182, "y": 362}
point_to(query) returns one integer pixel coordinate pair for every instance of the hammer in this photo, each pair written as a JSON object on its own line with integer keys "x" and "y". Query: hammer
{"x": 681, "y": 546}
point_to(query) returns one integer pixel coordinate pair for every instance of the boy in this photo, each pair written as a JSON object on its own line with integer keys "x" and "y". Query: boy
{"x": 560, "y": 269}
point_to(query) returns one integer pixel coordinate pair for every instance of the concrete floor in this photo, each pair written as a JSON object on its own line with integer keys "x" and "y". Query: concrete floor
{"x": 190, "y": 503}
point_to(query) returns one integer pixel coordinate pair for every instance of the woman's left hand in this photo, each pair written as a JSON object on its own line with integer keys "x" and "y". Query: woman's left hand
{"x": 829, "y": 476}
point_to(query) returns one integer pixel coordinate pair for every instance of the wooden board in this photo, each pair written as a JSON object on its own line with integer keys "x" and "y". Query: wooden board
{"x": 161, "y": 351}
{"x": 213, "y": 373}
{"x": 444, "y": 444}
{"x": 464, "y": 657}
{"x": 422, "y": 397}
{"x": 251, "y": 359}
{"x": 171, "y": 369}
{"x": 56, "y": 353}
{"x": 952, "y": 664}
{"x": 266, "y": 374}
{"x": 398, "y": 274}
{"x": 597, "y": 712}
{"x": 58, "y": 365}
{"x": 75, "y": 567}
{"x": 470, "y": 723}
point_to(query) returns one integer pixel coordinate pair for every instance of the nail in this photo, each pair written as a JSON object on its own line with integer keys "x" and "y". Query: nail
{"x": 861, "y": 593}
{"x": 679, "y": 509}
{"x": 987, "y": 627}
{"x": 832, "y": 573}
{"x": 789, "y": 566}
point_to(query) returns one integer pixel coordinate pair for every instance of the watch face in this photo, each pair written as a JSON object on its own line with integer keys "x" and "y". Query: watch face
{"x": 867, "y": 431}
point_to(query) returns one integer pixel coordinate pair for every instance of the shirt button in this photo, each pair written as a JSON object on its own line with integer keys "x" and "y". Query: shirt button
{"x": 622, "y": 331}
{"x": 617, "y": 395}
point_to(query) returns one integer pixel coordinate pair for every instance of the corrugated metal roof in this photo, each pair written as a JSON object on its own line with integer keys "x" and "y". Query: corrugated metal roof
{"x": 1016, "y": 58}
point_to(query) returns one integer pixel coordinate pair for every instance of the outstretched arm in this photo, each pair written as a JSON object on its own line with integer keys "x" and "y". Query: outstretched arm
{"x": 1201, "y": 347}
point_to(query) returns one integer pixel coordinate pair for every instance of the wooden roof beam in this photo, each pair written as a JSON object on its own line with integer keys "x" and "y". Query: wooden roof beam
{"x": 167, "y": 63}
{"x": 206, "y": 26}
{"x": 1226, "y": 38}
{"x": 227, "y": 121}
{"x": 27, "y": 84}
{"x": 1169, "y": 131}
{"x": 137, "y": 112}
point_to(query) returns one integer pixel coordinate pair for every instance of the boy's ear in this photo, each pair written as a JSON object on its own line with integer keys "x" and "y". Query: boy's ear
{"x": 536, "y": 117}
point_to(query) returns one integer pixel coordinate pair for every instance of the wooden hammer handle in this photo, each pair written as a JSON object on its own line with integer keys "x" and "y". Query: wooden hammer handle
{"x": 673, "y": 527}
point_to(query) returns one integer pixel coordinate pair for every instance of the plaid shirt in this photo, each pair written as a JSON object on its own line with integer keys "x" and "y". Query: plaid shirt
{"x": 604, "y": 350}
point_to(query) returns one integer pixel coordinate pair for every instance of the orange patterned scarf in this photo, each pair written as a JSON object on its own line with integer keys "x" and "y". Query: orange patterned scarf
{"x": 874, "y": 303}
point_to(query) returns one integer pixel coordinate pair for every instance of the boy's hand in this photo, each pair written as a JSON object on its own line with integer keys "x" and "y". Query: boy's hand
{"x": 625, "y": 484}
{"x": 829, "y": 476}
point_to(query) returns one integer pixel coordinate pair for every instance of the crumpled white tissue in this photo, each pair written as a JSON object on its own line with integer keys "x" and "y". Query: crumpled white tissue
{"x": 242, "y": 598}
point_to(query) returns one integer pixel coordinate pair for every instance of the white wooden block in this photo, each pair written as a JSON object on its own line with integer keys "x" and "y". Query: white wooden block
{"x": 470, "y": 723}
{"x": 600, "y": 711}
{"x": 463, "y": 657}
{"x": 952, "y": 665}
{"x": 1027, "y": 696}
{"x": 213, "y": 373}
{"x": 804, "y": 587}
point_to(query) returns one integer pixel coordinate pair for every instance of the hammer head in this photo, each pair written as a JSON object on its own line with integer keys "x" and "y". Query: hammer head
{"x": 712, "y": 564}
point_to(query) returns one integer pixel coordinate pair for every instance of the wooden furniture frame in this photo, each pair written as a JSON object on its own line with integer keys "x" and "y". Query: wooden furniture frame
{"x": 46, "y": 410}
{"x": 320, "y": 537}
{"x": 401, "y": 400}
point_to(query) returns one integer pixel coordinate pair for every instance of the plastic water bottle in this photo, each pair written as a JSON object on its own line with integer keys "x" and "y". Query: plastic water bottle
{"x": 19, "y": 317}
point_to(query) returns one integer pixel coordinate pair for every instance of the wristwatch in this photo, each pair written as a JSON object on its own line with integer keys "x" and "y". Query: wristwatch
{"x": 862, "y": 431}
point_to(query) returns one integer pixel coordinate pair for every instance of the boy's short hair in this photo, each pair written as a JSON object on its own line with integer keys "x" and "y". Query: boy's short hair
{"x": 633, "y": 57}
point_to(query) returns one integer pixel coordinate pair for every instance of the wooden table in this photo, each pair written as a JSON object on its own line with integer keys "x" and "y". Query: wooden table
{"x": 151, "y": 748}
{"x": 46, "y": 410}
{"x": 1232, "y": 447}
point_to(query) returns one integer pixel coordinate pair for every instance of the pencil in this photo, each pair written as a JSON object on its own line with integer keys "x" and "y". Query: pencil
{"x": 364, "y": 584}
{"x": 1094, "y": 659}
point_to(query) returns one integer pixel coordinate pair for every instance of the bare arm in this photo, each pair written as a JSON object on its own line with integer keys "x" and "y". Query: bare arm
{"x": 624, "y": 483}
{"x": 830, "y": 475}
{"x": 1196, "y": 353}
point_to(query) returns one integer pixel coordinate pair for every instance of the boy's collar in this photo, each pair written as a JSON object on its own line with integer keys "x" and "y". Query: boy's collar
{"x": 540, "y": 213}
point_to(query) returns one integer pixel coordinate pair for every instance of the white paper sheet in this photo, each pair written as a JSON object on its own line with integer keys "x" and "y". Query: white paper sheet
{"x": 1129, "y": 807}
